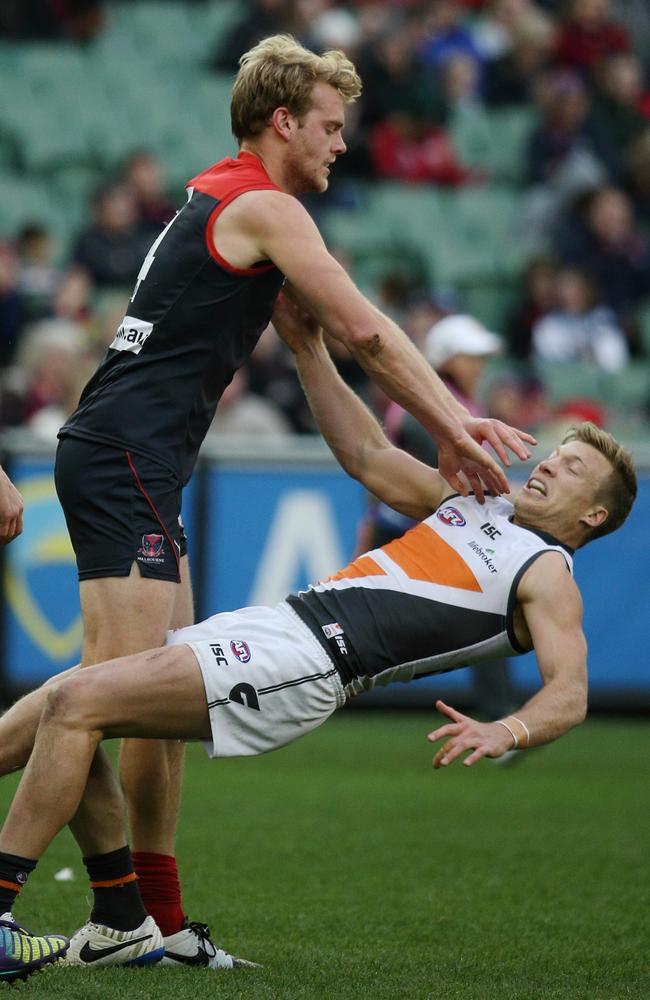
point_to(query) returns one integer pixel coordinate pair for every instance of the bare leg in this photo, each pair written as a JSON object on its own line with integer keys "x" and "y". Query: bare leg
{"x": 121, "y": 616}
{"x": 19, "y": 723}
{"x": 151, "y": 771}
{"x": 157, "y": 694}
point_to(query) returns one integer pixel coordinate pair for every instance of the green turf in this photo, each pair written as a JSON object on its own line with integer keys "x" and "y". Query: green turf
{"x": 351, "y": 869}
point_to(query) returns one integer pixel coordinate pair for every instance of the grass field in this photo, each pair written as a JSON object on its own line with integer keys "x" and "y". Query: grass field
{"x": 351, "y": 869}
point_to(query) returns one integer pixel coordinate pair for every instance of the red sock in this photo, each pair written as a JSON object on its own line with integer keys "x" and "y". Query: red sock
{"x": 160, "y": 889}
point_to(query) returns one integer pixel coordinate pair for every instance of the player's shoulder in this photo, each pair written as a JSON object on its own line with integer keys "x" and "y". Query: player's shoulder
{"x": 549, "y": 579}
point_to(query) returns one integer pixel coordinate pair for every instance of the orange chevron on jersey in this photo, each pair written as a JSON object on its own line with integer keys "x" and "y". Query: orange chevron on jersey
{"x": 424, "y": 555}
{"x": 363, "y": 566}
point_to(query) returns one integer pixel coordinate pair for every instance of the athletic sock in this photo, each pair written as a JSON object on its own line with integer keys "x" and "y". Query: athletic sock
{"x": 14, "y": 872}
{"x": 117, "y": 899}
{"x": 161, "y": 890}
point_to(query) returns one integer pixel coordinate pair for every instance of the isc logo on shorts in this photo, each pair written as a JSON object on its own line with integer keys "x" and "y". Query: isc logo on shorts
{"x": 241, "y": 650}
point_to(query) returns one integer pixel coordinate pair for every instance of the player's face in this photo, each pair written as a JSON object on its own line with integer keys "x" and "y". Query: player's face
{"x": 562, "y": 490}
{"x": 317, "y": 141}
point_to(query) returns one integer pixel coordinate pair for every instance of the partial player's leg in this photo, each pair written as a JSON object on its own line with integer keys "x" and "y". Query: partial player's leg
{"x": 159, "y": 693}
{"x": 151, "y": 771}
{"x": 19, "y": 723}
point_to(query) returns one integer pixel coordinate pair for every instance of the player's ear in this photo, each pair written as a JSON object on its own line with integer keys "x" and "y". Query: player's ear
{"x": 595, "y": 517}
{"x": 283, "y": 123}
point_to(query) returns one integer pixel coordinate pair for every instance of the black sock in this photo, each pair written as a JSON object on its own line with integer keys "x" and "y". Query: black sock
{"x": 14, "y": 872}
{"x": 117, "y": 899}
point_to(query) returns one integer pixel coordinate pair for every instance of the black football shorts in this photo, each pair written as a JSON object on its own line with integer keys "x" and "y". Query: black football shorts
{"x": 120, "y": 508}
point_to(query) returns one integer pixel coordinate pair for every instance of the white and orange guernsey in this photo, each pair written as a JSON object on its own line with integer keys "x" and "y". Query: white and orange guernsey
{"x": 439, "y": 597}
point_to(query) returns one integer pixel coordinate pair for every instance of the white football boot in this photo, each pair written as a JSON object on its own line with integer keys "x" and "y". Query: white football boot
{"x": 192, "y": 946}
{"x": 96, "y": 944}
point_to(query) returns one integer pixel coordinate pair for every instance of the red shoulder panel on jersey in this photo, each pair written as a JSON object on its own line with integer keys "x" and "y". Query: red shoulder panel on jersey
{"x": 225, "y": 181}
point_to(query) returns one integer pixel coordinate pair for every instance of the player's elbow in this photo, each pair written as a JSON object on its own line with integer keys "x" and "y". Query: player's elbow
{"x": 576, "y": 704}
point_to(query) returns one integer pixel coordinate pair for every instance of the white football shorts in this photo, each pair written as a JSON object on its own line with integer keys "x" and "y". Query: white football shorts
{"x": 267, "y": 679}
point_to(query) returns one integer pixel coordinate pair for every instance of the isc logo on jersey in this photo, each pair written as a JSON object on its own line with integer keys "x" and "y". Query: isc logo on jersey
{"x": 452, "y": 517}
{"x": 131, "y": 335}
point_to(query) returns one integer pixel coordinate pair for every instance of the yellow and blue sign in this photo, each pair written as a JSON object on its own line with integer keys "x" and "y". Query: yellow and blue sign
{"x": 42, "y": 616}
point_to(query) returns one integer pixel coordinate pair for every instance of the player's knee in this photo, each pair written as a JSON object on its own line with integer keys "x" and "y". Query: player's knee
{"x": 67, "y": 704}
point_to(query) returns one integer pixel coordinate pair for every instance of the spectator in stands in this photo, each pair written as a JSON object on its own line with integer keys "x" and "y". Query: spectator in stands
{"x": 607, "y": 244}
{"x": 617, "y": 107}
{"x": 79, "y": 20}
{"x": 540, "y": 298}
{"x": 565, "y": 135}
{"x": 38, "y": 276}
{"x": 142, "y": 174}
{"x": 43, "y": 388}
{"x": 245, "y": 413}
{"x": 468, "y": 122}
{"x": 637, "y": 174}
{"x": 446, "y": 34}
{"x": 581, "y": 328}
{"x": 260, "y": 18}
{"x": 511, "y": 78}
{"x": 501, "y": 22}
{"x": 112, "y": 248}
{"x": 393, "y": 82}
{"x": 13, "y": 309}
{"x": 589, "y": 36}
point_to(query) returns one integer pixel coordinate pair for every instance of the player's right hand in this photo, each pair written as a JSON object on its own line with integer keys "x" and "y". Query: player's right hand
{"x": 11, "y": 510}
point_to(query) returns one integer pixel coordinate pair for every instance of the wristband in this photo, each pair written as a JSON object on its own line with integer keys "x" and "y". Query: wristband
{"x": 523, "y": 726}
{"x": 515, "y": 741}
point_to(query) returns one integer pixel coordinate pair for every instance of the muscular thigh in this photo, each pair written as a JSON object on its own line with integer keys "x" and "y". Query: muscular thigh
{"x": 158, "y": 693}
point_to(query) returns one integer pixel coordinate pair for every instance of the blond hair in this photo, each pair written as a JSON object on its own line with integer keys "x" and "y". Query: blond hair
{"x": 618, "y": 491}
{"x": 279, "y": 72}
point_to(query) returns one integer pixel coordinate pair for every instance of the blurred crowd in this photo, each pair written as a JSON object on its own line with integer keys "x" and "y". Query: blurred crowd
{"x": 580, "y": 65}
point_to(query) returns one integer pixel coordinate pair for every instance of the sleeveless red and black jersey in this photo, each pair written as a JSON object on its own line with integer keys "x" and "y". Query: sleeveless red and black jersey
{"x": 192, "y": 321}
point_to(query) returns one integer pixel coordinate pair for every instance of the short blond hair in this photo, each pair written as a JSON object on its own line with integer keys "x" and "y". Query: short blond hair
{"x": 618, "y": 491}
{"x": 279, "y": 72}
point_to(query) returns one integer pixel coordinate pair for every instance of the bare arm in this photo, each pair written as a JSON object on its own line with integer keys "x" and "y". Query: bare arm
{"x": 282, "y": 231}
{"x": 350, "y": 429}
{"x": 552, "y": 607}
{"x": 11, "y": 510}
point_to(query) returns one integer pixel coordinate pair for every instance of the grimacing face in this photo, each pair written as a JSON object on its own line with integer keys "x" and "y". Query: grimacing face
{"x": 317, "y": 141}
{"x": 561, "y": 493}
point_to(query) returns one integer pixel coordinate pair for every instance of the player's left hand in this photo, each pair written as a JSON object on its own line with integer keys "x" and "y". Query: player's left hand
{"x": 485, "y": 739}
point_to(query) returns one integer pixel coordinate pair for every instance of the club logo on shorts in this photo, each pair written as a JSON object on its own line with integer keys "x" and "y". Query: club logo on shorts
{"x": 152, "y": 548}
{"x": 241, "y": 650}
{"x": 452, "y": 517}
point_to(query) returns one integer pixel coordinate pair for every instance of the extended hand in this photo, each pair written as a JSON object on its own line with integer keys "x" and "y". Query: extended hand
{"x": 11, "y": 510}
{"x": 486, "y": 739}
{"x": 293, "y": 324}
{"x": 480, "y": 471}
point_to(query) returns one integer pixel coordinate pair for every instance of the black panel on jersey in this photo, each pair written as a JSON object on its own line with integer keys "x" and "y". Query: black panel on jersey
{"x": 205, "y": 320}
{"x": 386, "y": 628}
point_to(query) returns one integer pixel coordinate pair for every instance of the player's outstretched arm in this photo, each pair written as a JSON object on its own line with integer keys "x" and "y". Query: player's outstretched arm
{"x": 552, "y": 608}
{"x": 350, "y": 429}
{"x": 287, "y": 236}
{"x": 11, "y": 510}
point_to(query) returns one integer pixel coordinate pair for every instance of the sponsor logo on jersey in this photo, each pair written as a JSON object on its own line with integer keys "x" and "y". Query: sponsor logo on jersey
{"x": 131, "y": 335}
{"x": 152, "y": 546}
{"x": 482, "y": 554}
{"x": 241, "y": 650}
{"x": 332, "y": 629}
{"x": 452, "y": 517}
